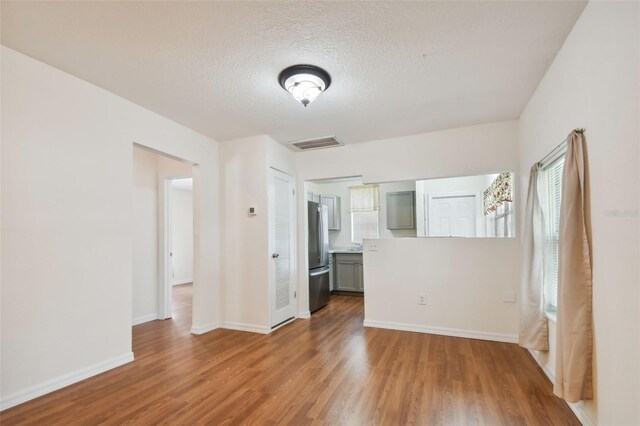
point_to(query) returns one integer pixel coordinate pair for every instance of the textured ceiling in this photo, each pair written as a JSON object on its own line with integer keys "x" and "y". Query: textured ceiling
{"x": 398, "y": 68}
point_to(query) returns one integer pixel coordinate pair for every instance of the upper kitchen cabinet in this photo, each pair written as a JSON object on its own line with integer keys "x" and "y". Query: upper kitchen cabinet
{"x": 401, "y": 210}
{"x": 333, "y": 206}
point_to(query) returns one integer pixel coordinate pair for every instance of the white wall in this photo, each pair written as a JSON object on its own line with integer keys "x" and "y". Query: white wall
{"x": 463, "y": 280}
{"x": 145, "y": 236}
{"x": 182, "y": 235}
{"x": 474, "y": 150}
{"x": 245, "y": 237}
{"x": 593, "y": 83}
{"x": 67, "y": 221}
{"x": 246, "y": 256}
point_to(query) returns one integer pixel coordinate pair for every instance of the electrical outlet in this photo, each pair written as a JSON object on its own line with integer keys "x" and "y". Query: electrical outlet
{"x": 422, "y": 299}
{"x": 372, "y": 245}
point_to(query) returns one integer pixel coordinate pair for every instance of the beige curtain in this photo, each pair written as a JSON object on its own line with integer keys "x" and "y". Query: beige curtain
{"x": 533, "y": 321}
{"x": 574, "y": 328}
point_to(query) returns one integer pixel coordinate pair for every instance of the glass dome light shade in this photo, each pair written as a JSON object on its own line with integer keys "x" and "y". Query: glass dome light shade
{"x": 304, "y": 82}
{"x": 304, "y": 87}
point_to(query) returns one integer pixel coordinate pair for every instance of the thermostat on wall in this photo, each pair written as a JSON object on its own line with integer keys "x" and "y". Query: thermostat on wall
{"x": 252, "y": 211}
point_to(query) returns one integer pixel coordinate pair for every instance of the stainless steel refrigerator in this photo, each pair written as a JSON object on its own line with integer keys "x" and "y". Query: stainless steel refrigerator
{"x": 319, "y": 291}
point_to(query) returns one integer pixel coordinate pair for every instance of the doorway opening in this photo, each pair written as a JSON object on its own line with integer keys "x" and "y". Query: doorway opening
{"x": 179, "y": 236}
{"x": 163, "y": 247}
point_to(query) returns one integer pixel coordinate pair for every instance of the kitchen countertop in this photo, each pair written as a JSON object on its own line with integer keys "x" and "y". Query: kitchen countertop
{"x": 345, "y": 250}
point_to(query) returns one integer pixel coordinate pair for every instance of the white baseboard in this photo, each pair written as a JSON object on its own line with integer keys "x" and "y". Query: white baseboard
{"x": 63, "y": 381}
{"x": 581, "y": 413}
{"x": 201, "y": 329}
{"x": 246, "y": 327}
{"x": 144, "y": 318}
{"x": 576, "y": 407}
{"x": 180, "y": 282}
{"x": 544, "y": 368}
{"x": 470, "y": 334}
{"x": 304, "y": 315}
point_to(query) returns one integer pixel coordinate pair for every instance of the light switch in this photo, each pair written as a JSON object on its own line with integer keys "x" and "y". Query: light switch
{"x": 253, "y": 211}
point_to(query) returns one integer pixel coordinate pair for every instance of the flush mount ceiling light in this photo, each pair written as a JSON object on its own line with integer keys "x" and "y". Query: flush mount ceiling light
{"x": 304, "y": 82}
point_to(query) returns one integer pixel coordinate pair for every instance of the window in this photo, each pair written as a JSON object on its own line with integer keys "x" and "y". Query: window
{"x": 364, "y": 225}
{"x": 364, "y": 212}
{"x": 500, "y": 221}
{"x": 498, "y": 206}
{"x": 550, "y": 185}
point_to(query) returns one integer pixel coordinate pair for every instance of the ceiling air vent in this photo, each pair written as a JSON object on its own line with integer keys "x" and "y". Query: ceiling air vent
{"x": 318, "y": 143}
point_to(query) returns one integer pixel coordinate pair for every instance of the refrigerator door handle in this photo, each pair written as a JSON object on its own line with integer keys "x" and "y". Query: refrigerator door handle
{"x": 320, "y": 234}
{"x": 321, "y": 271}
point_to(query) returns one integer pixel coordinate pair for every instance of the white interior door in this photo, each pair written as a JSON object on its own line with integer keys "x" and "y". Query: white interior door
{"x": 280, "y": 244}
{"x": 452, "y": 216}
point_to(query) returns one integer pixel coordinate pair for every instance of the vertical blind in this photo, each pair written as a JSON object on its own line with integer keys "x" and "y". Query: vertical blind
{"x": 551, "y": 197}
{"x": 282, "y": 223}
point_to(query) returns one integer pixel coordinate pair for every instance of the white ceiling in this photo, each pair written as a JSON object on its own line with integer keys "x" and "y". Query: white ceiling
{"x": 398, "y": 68}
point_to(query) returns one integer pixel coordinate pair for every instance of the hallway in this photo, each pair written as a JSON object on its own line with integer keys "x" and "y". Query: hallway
{"x": 182, "y": 305}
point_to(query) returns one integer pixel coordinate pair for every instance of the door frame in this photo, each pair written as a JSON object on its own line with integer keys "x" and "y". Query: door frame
{"x": 273, "y": 172}
{"x": 165, "y": 284}
{"x": 162, "y": 243}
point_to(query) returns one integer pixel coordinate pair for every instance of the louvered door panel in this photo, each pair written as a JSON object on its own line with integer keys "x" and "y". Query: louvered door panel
{"x": 280, "y": 217}
{"x": 282, "y": 238}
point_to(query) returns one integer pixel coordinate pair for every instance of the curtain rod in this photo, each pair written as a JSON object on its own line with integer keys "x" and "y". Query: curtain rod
{"x": 557, "y": 149}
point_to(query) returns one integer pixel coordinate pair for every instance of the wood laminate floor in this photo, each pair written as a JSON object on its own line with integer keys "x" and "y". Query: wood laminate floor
{"x": 327, "y": 370}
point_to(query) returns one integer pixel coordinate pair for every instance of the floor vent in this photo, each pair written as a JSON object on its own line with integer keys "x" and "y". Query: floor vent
{"x": 318, "y": 143}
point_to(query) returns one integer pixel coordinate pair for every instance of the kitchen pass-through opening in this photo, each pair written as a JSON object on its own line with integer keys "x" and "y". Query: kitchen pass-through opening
{"x": 334, "y": 240}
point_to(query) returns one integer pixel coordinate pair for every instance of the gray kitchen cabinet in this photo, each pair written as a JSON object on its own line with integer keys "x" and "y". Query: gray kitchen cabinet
{"x": 312, "y": 196}
{"x": 332, "y": 267}
{"x": 333, "y": 207}
{"x": 401, "y": 210}
{"x": 349, "y": 275}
